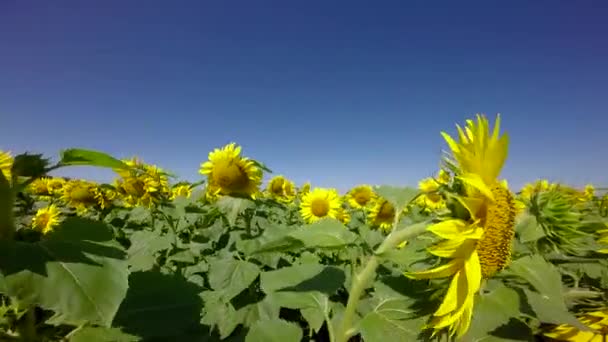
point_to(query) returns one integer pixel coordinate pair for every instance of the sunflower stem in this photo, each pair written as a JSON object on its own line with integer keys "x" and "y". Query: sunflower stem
{"x": 7, "y": 200}
{"x": 361, "y": 280}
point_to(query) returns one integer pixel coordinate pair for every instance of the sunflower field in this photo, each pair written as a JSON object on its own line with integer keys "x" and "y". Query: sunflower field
{"x": 247, "y": 255}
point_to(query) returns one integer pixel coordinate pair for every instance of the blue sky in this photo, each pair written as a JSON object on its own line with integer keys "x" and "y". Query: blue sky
{"x": 335, "y": 92}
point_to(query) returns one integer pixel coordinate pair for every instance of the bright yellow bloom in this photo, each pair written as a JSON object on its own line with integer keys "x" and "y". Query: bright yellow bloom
{"x": 141, "y": 185}
{"x": 181, "y": 190}
{"x": 281, "y": 189}
{"x": 588, "y": 193}
{"x": 46, "y": 187}
{"x": 46, "y": 219}
{"x": 596, "y": 320}
{"x": 320, "y": 203}
{"x": 480, "y": 246}
{"x": 6, "y": 164}
{"x": 361, "y": 196}
{"x": 80, "y": 195}
{"x": 430, "y": 199}
{"x": 304, "y": 189}
{"x": 382, "y": 214}
{"x": 105, "y": 197}
{"x": 228, "y": 173}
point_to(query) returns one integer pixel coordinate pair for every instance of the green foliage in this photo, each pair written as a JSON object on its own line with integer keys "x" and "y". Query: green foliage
{"x": 78, "y": 156}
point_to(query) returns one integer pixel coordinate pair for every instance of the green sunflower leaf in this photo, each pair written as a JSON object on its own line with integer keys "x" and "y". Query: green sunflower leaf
{"x": 78, "y": 156}
{"x": 144, "y": 246}
{"x": 99, "y": 334}
{"x": 399, "y": 197}
{"x": 231, "y": 277}
{"x": 276, "y": 330}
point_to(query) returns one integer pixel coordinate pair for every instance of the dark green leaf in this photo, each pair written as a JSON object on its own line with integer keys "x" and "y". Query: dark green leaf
{"x": 528, "y": 228}
{"x": 303, "y": 278}
{"x": 327, "y": 233}
{"x": 159, "y": 305}
{"x": 232, "y": 207}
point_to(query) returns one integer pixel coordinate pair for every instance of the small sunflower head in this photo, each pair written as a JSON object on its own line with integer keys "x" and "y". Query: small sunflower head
{"x": 281, "y": 189}
{"x": 361, "y": 196}
{"x": 228, "y": 173}
{"x": 80, "y": 195}
{"x": 382, "y": 214}
{"x": 304, "y": 189}
{"x": 343, "y": 215}
{"x": 142, "y": 184}
{"x": 181, "y": 190}
{"x": 320, "y": 203}
{"x": 46, "y": 219}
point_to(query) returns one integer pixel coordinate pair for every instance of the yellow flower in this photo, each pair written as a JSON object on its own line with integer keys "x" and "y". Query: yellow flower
{"x": 304, "y": 189}
{"x": 46, "y": 187}
{"x": 596, "y": 320}
{"x": 281, "y": 189}
{"x": 478, "y": 246}
{"x": 382, "y": 214}
{"x": 6, "y": 164}
{"x": 228, "y": 173}
{"x": 142, "y": 184}
{"x": 55, "y": 185}
{"x": 46, "y": 219}
{"x": 80, "y": 195}
{"x": 430, "y": 199}
{"x": 361, "y": 196}
{"x": 320, "y": 203}
{"x": 181, "y": 190}
{"x": 105, "y": 197}
{"x": 343, "y": 216}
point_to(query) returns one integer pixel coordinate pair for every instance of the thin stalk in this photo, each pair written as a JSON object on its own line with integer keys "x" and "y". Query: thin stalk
{"x": 7, "y": 202}
{"x": 361, "y": 281}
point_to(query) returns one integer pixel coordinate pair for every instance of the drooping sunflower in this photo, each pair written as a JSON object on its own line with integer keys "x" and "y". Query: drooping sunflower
{"x": 281, "y": 189}
{"x": 228, "y": 173}
{"x": 142, "y": 184}
{"x": 320, "y": 203}
{"x": 478, "y": 244}
{"x": 46, "y": 219}
{"x": 595, "y": 320}
{"x": 80, "y": 195}
{"x": 430, "y": 199}
{"x": 182, "y": 190}
{"x": 6, "y": 164}
{"x": 361, "y": 196}
{"x": 382, "y": 214}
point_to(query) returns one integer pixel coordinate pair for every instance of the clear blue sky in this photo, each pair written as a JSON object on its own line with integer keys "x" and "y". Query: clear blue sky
{"x": 335, "y": 92}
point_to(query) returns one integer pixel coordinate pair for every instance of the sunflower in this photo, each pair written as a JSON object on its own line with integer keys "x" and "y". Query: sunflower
{"x": 478, "y": 244}
{"x": 343, "y": 216}
{"x": 430, "y": 199}
{"x": 55, "y": 185}
{"x": 46, "y": 219}
{"x": 105, "y": 197}
{"x": 39, "y": 187}
{"x": 382, "y": 214}
{"x": 80, "y": 195}
{"x": 182, "y": 190}
{"x": 6, "y": 164}
{"x": 142, "y": 184}
{"x": 281, "y": 189}
{"x": 304, "y": 189}
{"x": 228, "y": 173}
{"x": 596, "y": 320}
{"x": 320, "y": 203}
{"x": 361, "y": 196}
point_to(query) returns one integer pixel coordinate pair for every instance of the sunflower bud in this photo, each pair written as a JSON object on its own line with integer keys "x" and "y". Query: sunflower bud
{"x": 29, "y": 165}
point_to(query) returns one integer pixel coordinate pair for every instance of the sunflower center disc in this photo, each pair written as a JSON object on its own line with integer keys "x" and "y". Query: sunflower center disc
{"x": 230, "y": 176}
{"x": 319, "y": 207}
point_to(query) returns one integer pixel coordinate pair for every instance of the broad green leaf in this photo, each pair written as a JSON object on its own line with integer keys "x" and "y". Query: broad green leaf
{"x": 263, "y": 310}
{"x": 382, "y": 326}
{"x": 327, "y": 233}
{"x": 528, "y": 228}
{"x": 491, "y": 311}
{"x": 140, "y": 216}
{"x": 144, "y": 246}
{"x": 220, "y": 314}
{"x": 159, "y": 305}
{"x": 303, "y": 278}
{"x": 548, "y": 302}
{"x": 77, "y": 271}
{"x": 77, "y": 156}
{"x": 276, "y": 330}
{"x": 399, "y": 197}
{"x": 232, "y": 207}
{"x": 231, "y": 276}
{"x": 185, "y": 256}
{"x": 98, "y": 334}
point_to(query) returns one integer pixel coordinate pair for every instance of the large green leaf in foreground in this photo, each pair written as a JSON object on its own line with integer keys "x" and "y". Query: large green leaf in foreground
{"x": 78, "y": 271}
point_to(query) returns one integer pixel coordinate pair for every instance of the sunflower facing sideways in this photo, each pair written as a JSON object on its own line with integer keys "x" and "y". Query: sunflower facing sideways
{"x": 320, "y": 203}
{"x": 281, "y": 189}
{"x": 382, "y": 214}
{"x": 230, "y": 174}
{"x": 477, "y": 243}
{"x": 361, "y": 196}
{"x": 80, "y": 195}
